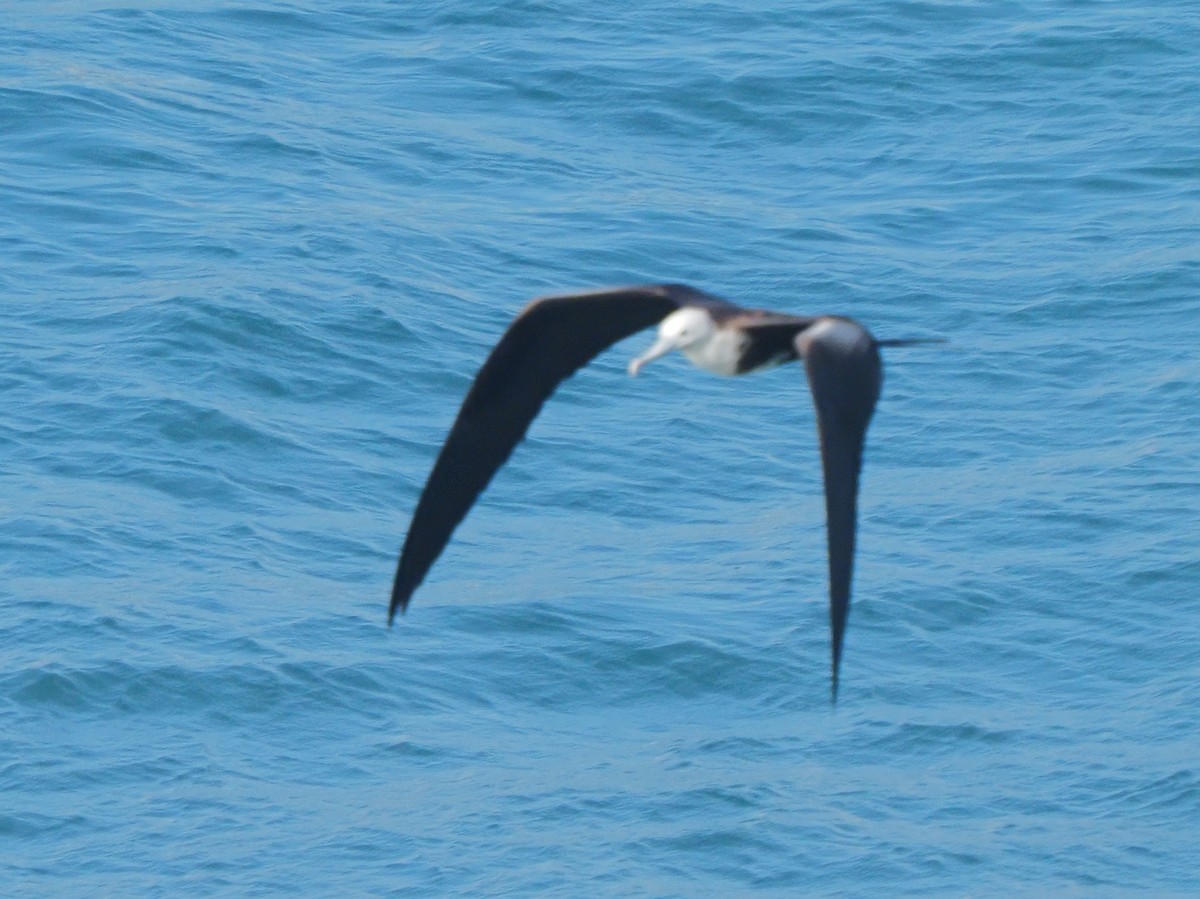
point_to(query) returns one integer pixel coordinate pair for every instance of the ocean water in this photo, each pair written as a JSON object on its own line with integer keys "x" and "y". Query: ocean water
{"x": 251, "y": 257}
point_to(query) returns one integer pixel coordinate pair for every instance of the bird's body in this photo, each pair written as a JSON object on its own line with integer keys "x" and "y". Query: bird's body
{"x": 555, "y": 336}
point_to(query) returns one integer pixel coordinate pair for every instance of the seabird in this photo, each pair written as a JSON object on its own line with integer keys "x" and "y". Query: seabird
{"x": 555, "y": 336}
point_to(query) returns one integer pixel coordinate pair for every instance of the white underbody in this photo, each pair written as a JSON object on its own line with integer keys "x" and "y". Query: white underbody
{"x": 694, "y": 333}
{"x": 720, "y": 353}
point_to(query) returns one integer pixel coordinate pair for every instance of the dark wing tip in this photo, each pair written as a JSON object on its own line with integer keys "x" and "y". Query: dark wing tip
{"x": 839, "y": 608}
{"x": 838, "y": 621}
{"x": 399, "y": 601}
{"x": 405, "y": 584}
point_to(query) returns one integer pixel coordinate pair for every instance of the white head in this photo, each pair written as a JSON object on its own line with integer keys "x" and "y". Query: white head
{"x": 685, "y": 329}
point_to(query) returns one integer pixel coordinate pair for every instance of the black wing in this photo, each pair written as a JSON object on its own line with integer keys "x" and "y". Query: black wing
{"x": 845, "y": 375}
{"x": 547, "y": 343}
{"x": 774, "y": 338}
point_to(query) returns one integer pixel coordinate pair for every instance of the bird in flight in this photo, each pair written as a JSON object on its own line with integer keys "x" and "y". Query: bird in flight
{"x": 555, "y": 336}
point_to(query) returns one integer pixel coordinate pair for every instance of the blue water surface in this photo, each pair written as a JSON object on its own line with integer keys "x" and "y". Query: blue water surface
{"x": 251, "y": 257}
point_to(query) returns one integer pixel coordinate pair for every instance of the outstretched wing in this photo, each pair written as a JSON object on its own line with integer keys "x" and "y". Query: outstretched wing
{"x": 548, "y": 342}
{"x": 845, "y": 375}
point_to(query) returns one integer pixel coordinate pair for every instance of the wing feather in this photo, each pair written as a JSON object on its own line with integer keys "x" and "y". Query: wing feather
{"x": 845, "y": 375}
{"x": 548, "y": 342}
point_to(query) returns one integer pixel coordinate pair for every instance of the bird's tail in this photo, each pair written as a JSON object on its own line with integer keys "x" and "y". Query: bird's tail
{"x": 909, "y": 341}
